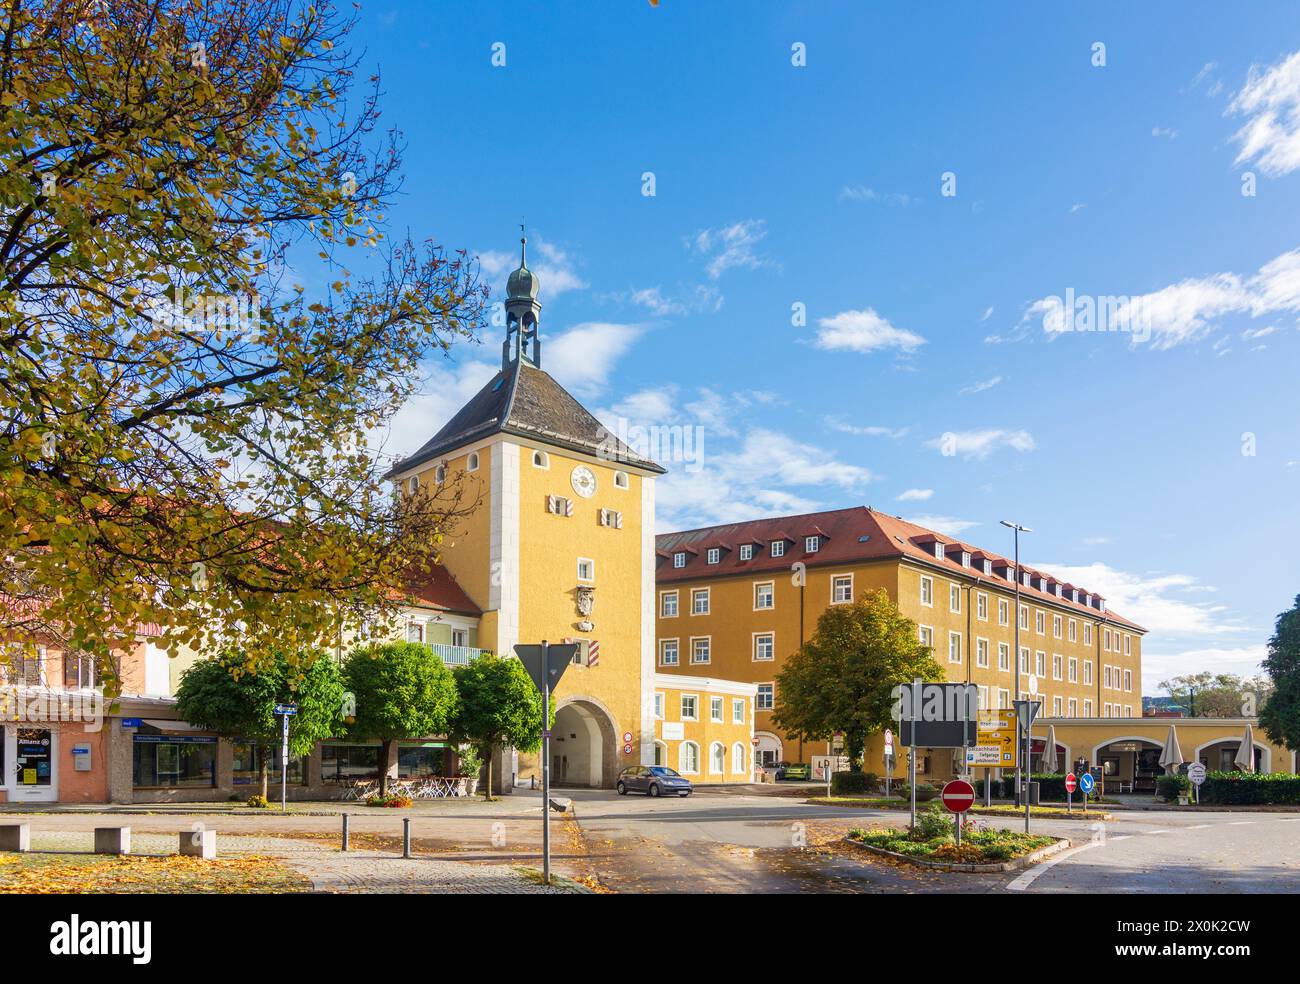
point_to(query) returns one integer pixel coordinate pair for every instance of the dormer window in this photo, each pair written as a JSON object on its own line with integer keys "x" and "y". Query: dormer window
{"x": 1058, "y": 591}
{"x": 988, "y": 568}
{"x": 746, "y": 551}
{"x": 1074, "y": 595}
{"x": 812, "y": 544}
{"x": 778, "y": 548}
{"x": 714, "y": 555}
{"x": 938, "y": 550}
{"x": 679, "y": 559}
{"x": 1042, "y": 584}
{"x": 1101, "y": 604}
{"x": 965, "y": 558}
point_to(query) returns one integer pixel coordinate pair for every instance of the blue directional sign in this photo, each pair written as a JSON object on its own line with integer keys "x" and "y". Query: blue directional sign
{"x": 286, "y": 709}
{"x": 1087, "y": 783}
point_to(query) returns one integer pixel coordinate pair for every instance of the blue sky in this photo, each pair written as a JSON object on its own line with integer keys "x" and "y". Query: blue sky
{"x": 929, "y": 377}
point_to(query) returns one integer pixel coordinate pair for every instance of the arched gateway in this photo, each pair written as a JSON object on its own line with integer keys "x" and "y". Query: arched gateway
{"x": 584, "y": 744}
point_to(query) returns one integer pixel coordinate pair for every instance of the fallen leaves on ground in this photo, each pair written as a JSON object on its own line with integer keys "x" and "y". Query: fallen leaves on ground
{"x": 54, "y": 874}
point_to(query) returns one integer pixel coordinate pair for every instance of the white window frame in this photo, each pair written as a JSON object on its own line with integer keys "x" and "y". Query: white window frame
{"x": 738, "y": 710}
{"x": 1087, "y": 673}
{"x": 1004, "y": 612}
{"x": 765, "y": 701}
{"x": 954, "y": 637}
{"x": 1040, "y": 664}
{"x": 708, "y": 650}
{"x": 707, "y": 595}
{"x": 682, "y": 750}
{"x": 717, "y": 708}
{"x": 982, "y": 653}
{"x": 1072, "y": 630}
{"x": 925, "y": 635}
{"x": 694, "y": 715}
{"x": 664, "y": 645}
{"x": 663, "y": 608}
{"x": 771, "y": 596}
{"x": 954, "y": 598}
{"x": 981, "y": 606}
{"x": 659, "y": 705}
{"x": 714, "y": 555}
{"x": 717, "y": 750}
{"x": 778, "y": 548}
{"x": 811, "y": 544}
{"x": 927, "y": 591}
{"x": 472, "y": 462}
{"x": 754, "y": 646}
{"x": 1073, "y": 669}
{"x": 1040, "y": 621}
{"x": 541, "y": 460}
{"x": 679, "y": 559}
{"x": 746, "y": 551}
{"x": 621, "y": 480}
{"x": 1058, "y": 666}
{"x": 837, "y": 581}
{"x": 1004, "y": 657}
{"x": 591, "y": 570}
{"x": 1087, "y": 633}
{"x": 1056, "y": 626}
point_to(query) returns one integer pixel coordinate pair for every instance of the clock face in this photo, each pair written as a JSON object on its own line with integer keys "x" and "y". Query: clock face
{"x": 584, "y": 481}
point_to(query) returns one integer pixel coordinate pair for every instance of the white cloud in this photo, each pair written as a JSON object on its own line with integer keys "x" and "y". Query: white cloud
{"x": 701, "y": 298}
{"x": 915, "y": 495}
{"x": 988, "y": 313}
{"x": 982, "y": 443}
{"x": 582, "y": 357}
{"x": 1167, "y": 132}
{"x": 1095, "y": 541}
{"x": 861, "y": 193}
{"x": 732, "y": 246}
{"x": 947, "y": 525}
{"x": 445, "y": 388}
{"x": 1270, "y": 101}
{"x": 841, "y": 425}
{"x": 1241, "y": 660}
{"x": 1156, "y": 601}
{"x": 553, "y": 266}
{"x": 863, "y": 331}
{"x": 980, "y": 387}
{"x": 1206, "y": 70}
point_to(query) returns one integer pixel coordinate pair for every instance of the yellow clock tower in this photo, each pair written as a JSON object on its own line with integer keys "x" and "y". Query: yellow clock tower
{"x": 561, "y": 546}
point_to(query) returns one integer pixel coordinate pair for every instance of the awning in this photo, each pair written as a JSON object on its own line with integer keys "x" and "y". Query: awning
{"x": 176, "y": 727}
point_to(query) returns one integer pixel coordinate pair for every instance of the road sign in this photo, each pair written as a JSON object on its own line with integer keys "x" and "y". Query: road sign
{"x": 286, "y": 709}
{"x": 958, "y": 796}
{"x": 889, "y": 742}
{"x": 937, "y": 715}
{"x": 627, "y": 737}
{"x": 1087, "y": 783}
{"x": 561, "y": 659}
{"x": 1196, "y": 773}
{"x": 1071, "y": 783}
{"x": 627, "y": 749}
{"x": 995, "y": 741}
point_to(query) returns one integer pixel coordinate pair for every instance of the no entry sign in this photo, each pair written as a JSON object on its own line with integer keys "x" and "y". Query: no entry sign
{"x": 1071, "y": 783}
{"x": 958, "y": 796}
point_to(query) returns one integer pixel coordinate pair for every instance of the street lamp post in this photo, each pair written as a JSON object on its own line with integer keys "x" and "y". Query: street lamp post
{"x": 1015, "y": 657}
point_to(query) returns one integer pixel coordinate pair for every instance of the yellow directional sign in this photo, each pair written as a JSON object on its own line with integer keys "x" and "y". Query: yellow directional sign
{"x": 996, "y": 744}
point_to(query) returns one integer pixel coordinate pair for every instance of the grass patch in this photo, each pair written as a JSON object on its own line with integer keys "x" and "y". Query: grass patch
{"x": 977, "y": 847}
{"x": 998, "y": 809}
{"x": 81, "y": 874}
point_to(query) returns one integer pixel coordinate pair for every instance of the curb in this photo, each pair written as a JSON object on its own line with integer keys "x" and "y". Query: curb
{"x": 1077, "y": 815}
{"x": 1015, "y": 864}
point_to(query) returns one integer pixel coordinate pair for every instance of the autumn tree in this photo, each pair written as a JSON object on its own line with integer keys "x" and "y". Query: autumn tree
{"x": 223, "y": 695}
{"x": 843, "y": 678}
{"x": 1280, "y": 717}
{"x": 401, "y": 690}
{"x": 498, "y": 706}
{"x": 185, "y": 417}
{"x": 1218, "y": 695}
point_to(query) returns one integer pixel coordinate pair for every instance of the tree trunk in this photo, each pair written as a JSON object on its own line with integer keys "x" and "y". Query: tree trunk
{"x": 265, "y": 770}
{"x": 488, "y": 789}
{"x": 385, "y": 749}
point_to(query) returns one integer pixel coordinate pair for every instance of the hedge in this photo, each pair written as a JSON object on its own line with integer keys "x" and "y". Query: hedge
{"x": 1169, "y": 788}
{"x": 853, "y": 783}
{"x": 1051, "y": 787}
{"x": 1248, "y": 788}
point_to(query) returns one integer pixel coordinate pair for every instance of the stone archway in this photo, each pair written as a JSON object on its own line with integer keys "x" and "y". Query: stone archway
{"x": 584, "y": 744}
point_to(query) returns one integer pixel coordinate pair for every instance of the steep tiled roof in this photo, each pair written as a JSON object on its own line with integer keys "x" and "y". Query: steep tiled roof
{"x": 848, "y": 536}
{"x": 525, "y": 401}
{"x": 435, "y": 587}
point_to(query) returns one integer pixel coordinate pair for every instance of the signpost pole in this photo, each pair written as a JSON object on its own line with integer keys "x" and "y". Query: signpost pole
{"x": 911, "y": 748}
{"x": 1029, "y": 778}
{"x": 546, "y": 763}
{"x": 284, "y": 764}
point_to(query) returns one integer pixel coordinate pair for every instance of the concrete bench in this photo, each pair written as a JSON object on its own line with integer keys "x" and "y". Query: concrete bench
{"x": 199, "y": 844}
{"x": 112, "y": 840}
{"x": 15, "y": 837}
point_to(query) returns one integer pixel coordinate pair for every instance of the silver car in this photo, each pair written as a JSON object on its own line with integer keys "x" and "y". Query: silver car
{"x": 653, "y": 780}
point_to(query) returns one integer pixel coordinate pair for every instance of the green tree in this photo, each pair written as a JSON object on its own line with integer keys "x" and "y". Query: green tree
{"x": 1218, "y": 695}
{"x": 203, "y": 320}
{"x": 402, "y": 690}
{"x": 1280, "y": 717}
{"x": 843, "y": 678}
{"x": 221, "y": 694}
{"x": 498, "y": 706}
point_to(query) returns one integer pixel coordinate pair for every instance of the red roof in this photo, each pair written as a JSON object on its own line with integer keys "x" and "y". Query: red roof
{"x": 848, "y": 536}
{"x": 437, "y": 588}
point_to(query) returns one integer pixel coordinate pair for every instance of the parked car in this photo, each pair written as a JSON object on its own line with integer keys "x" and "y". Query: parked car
{"x": 653, "y": 780}
{"x": 794, "y": 770}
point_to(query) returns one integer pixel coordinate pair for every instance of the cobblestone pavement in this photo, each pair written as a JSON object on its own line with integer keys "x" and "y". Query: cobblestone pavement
{"x": 331, "y": 870}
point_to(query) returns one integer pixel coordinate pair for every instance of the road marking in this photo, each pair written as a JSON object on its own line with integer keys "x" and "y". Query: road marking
{"x": 1162, "y": 830}
{"x": 1121, "y": 837}
{"x": 1289, "y": 820}
{"x": 1023, "y": 882}
{"x": 1240, "y": 823}
{"x": 1199, "y": 826}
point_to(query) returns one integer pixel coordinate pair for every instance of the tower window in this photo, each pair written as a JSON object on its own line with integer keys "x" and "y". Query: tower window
{"x": 621, "y": 480}
{"x": 541, "y": 459}
{"x": 413, "y": 484}
{"x": 586, "y": 569}
{"x": 440, "y": 474}
{"x": 471, "y": 463}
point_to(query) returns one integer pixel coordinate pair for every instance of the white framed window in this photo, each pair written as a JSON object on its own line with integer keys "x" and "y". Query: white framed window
{"x": 659, "y": 705}
{"x": 1057, "y": 703}
{"x": 765, "y": 697}
{"x": 1058, "y": 666}
{"x": 1128, "y": 681}
{"x": 1074, "y": 669}
{"x": 1004, "y": 612}
{"x": 621, "y": 481}
{"x": 1105, "y": 641}
{"x": 1004, "y": 657}
{"x": 1024, "y": 660}
{"x": 842, "y": 589}
{"x": 459, "y": 637}
{"x": 690, "y": 707}
{"x": 746, "y": 551}
{"x": 954, "y": 597}
{"x": 700, "y": 601}
{"x": 738, "y": 759}
{"x": 778, "y": 548}
{"x": 764, "y": 596}
{"x": 1128, "y": 711}
{"x": 668, "y": 604}
{"x": 688, "y": 758}
{"x": 713, "y": 556}
{"x": 1040, "y": 664}
{"x": 541, "y": 459}
{"x": 965, "y": 558}
{"x": 586, "y": 569}
{"x": 701, "y": 649}
{"x": 611, "y": 518}
{"x": 668, "y": 652}
{"x": 981, "y": 606}
{"x": 1024, "y": 617}
{"x": 1072, "y": 631}
{"x": 811, "y": 544}
{"x": 927, "y": 592}
{"x": 440, "y": 474}
{"x": 1004, "y": 699}
{"x": 737, "y": 710}
{"x": 982, "y": 653}
{"x": 415, "y": 631}
{"x": 1040, "y": 622}
{"x": 1087, "y": 633}
{"x": 559, "y": 505}
{"x": 1128, "y": 644}
{"x": 1073, "y": 707}
{"x": 413, "y": 484}
{"x": 926, "y": 635}
{"x": 715, "y": 710}
{"x": 1087, "y": 674}
{"x": 471, "y": 462}
{"x": 954, "y": 647}
{"x": 983, "y": 698}
{"x": 679, "y": 559}
{"x": 1105, "y": 676}
{"x": 764, "y": 646}
{"x": 1087, "y": 708}
{"x": 717, "y": 759}
{"x": 938, "y": 550}
{"x": 1056, "y": 626}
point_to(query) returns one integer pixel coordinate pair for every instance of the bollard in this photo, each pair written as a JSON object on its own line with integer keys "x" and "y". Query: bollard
{"x": 406, "y": 837}
{"x": 345, "y": 831}
{"x": 199, "y": 844}
{"x": 112, "y": 840}
{"x": 15, "y": 837}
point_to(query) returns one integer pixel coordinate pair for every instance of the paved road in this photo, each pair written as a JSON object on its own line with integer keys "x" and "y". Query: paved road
{"x": 734, "y": 842}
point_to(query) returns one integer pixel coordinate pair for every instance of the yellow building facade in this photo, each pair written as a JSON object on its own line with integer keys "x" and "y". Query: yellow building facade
{"x": 704, "y": 727}
{"x": 735, "y": 601}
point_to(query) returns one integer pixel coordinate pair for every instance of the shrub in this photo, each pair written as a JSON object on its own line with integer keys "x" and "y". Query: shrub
{"x": 258, "y": 802}
{"x": 853, "y": 783}
{"x": 393, "y": 800}
{"x": 1248, "y": 788}
{"x": 934, "y": 821}
{"x": 1169, "y": 788}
